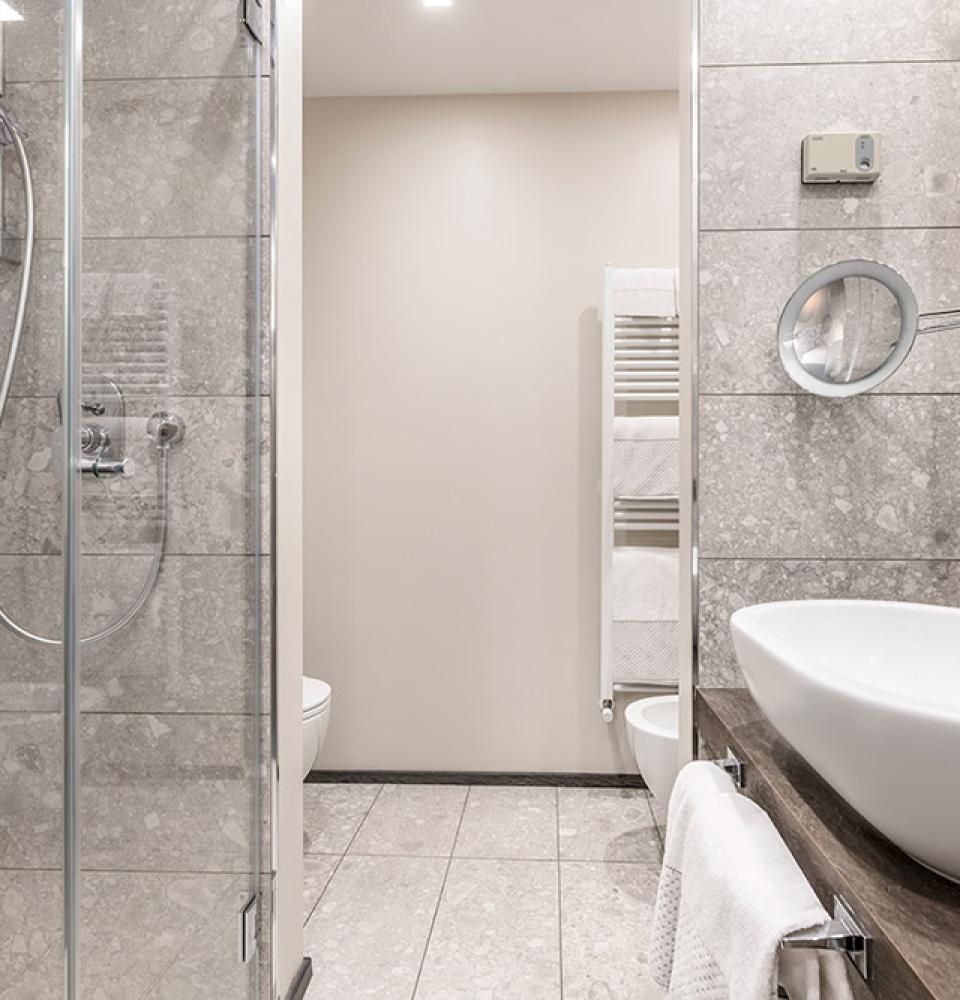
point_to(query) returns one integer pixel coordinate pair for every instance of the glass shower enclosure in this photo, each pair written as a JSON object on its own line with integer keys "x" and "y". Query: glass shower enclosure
{"x": 134, "y": 500}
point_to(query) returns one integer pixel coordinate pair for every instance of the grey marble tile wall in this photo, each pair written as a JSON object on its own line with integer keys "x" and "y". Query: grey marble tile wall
{"x": 168, "y": 735}
{"x": 800, "y": 496}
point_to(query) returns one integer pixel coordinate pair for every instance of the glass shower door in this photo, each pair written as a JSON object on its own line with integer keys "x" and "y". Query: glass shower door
{"x": 31, "y": 501}
{"x": 130, "y": 826}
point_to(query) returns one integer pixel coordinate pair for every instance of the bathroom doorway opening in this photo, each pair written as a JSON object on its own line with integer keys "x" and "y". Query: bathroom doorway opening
{"x": 470, "y": 172}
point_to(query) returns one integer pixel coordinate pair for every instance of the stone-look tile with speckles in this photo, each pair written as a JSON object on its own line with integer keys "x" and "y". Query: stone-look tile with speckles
{"x": 31, "y": 789}
{"x": 332, "y": 814}
{"x": 134, "y": 928}
{"x": 799, "y": 476}
{"x": 789, "y": 31}
{"x": 606, "y": 912}
{"x": 753, "y": 119}
{"x": 189, "y": 38}
{"x": 172, "y": 792}
{"x": 160, "y": 316}
{"x": 367, "y": 935}
{"x": 157, "y": 792}
{"x": 746, "y": 279}
{"x": 206, "y": 967}
{"x": 726, "y": 585}
{"x": 161, "y": 157}
{"x": 496, "y": 934}
{"x": 509, "y": 823}
{"x": 209, "y": 481}
{"x": 412, "y": 820}
{"x": 31, "y": 934}
{"x": 607, "y": 824}
{"x": 317, "y": 870}
{"x": 189, "y": 650}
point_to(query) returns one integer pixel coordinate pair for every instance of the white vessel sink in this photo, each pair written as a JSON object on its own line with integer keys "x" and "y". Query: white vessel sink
{"x": 868, "y": 692}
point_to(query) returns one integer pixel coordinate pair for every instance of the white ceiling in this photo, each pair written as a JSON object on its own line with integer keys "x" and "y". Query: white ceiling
{"x": 389, "y": 47}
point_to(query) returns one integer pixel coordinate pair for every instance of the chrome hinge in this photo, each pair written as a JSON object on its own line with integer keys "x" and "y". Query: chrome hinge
{"x": 249, "y": 929}
{"x": 253, "y": 19}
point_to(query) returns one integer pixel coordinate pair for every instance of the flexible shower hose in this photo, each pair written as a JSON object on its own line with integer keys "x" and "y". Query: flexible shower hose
{"x": 162, "y": 447}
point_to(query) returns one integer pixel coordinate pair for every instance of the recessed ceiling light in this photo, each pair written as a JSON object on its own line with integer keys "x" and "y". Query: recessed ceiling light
{"x": 7, "y": 13}
{"x": 437, "y": 3}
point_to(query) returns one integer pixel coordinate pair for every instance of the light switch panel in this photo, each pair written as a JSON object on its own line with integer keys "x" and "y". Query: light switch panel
{"x": 841, "y": 157}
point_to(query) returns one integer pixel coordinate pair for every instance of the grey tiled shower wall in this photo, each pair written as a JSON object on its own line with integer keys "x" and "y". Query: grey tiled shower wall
{"x": 800, "y": 496}
{"x": 168, "y": 775}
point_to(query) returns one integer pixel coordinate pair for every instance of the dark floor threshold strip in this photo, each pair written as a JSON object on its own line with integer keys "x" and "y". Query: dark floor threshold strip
{"x": 304, "y": 974}
{"x": 477, "y": 778}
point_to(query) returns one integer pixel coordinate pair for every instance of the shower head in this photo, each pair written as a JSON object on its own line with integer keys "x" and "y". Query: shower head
{"x": 10, "y": 125}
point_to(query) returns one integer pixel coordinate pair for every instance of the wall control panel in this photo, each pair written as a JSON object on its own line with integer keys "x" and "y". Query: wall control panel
{"x": 841, "y": 157}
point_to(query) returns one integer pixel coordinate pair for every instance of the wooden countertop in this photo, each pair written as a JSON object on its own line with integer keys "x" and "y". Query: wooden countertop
{"x": 913, "y": 915}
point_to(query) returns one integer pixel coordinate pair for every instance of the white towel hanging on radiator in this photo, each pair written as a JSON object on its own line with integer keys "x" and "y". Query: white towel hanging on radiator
{"x": 644, "y": 291}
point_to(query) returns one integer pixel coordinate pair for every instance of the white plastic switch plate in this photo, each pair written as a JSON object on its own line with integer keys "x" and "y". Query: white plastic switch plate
{"x": 841, "y": 157}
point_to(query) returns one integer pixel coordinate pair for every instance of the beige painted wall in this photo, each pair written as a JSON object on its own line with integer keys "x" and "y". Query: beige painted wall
{"x": 453, "y": 256}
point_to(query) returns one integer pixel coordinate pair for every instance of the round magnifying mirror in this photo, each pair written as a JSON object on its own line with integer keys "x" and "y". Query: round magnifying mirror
{"x": 847, "y": 328}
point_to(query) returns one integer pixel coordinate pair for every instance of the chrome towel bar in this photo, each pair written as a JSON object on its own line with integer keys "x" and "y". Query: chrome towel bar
{"x": 844, "y": 934}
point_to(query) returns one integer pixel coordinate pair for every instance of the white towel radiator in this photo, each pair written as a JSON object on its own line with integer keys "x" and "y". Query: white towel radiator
{"x": 641, "y": 376}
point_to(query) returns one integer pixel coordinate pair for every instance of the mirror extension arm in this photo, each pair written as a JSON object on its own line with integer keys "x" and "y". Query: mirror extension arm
{"x": 938, "y": 320}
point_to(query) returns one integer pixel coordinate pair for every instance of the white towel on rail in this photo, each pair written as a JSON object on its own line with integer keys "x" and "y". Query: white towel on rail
{"x": 646, "y": 428}
{"x": 644, "y": 291}
{"x": 696, "y": 783}
{"x": 646, "y": 584}
{"x": 741, "y": 892}
{"x": 814, "y": 975}
{"x": 646, "y": 456}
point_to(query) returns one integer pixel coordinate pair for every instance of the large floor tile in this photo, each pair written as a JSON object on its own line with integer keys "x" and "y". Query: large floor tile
{"x": 332, "y": 814}
{"x": 607, "y": 824}
{"x": 509, "y": 823}
{"x": 317, "y": 871}
{"x": 415, "y": 820}
{"x": 368, "y": 934}
{"x": 606, "y": 912}
{"x": 496, "y": 935}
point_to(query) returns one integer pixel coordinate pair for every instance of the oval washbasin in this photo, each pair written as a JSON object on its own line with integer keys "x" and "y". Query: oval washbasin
{"x": 868, "y": 692}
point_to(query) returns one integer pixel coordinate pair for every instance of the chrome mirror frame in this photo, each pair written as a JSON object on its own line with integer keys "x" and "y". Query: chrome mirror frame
{"x": 893, "y": 281}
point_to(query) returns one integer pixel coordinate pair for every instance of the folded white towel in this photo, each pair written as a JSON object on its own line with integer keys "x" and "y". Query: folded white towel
{"x": 646, "y": 428}
{"x": 741, "y": 893}
{"x": 644, "y": 291}
{"x": 646, "y": 584}
{"x": 697, "y": 783}
{"x": 814, "y": 975}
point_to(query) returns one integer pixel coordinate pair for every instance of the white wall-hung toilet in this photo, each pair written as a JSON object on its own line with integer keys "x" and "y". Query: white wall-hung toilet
{"x": 316, "y": 718}
{"x": 653, "y": 725}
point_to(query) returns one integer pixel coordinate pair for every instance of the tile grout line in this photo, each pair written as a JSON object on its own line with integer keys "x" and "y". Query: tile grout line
{"x": 559, "y": 897}
{"x": 443, "y": 886}
{"x": 656, "y": 825}
{"x": 336, "y": 868}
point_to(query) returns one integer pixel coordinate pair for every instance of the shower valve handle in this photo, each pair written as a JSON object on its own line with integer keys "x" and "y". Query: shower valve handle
{"x": 100, "y": 469}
